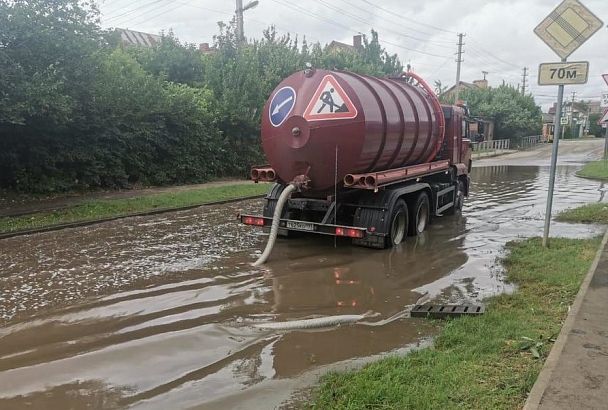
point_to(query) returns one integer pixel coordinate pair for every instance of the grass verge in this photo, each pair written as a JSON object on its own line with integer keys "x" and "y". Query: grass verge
{"x": 487, "y": 362}
{"x": 107, "y": 208}
{"x": 596, "y": 213}
{"x": 594, "y": 170}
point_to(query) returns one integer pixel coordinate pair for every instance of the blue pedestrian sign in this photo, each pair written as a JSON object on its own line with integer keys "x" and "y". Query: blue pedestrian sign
{"x": 281, "y": 105}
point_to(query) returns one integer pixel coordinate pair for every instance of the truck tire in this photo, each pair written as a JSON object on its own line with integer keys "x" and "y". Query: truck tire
{"x": 458, "y": 201}
{"x": 420, "y": 214}
{"x": 399, "y": 224}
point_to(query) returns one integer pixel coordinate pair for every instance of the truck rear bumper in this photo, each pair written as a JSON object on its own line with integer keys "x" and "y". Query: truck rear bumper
{"x": 309, "y": 227}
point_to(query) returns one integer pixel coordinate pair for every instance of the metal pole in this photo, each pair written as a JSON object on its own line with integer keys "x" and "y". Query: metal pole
{"x": 557, "y": 121}
{"x": 240, "y": 30}
{"x": 571, "y": 123}
{"x": 458, "y": 61}
{"x": 606, "y": 143}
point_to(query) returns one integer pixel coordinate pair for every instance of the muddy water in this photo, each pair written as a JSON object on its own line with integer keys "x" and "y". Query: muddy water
{"x": 156, "y": 312}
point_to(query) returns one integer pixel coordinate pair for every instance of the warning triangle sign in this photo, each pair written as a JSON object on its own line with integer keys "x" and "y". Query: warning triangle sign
{"x": 330, "y": 102}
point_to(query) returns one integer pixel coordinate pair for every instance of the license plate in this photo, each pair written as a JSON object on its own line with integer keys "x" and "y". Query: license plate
{"x": 301, "y": 226}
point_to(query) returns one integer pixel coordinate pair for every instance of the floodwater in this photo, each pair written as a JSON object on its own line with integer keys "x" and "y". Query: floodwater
{"x": 156, "y": 312}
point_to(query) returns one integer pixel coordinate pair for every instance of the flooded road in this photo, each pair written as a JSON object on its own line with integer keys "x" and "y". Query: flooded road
{"x": 157, "y": 312}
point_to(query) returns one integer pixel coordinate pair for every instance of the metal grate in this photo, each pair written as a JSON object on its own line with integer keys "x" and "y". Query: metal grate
{"x": 444, "y": 311}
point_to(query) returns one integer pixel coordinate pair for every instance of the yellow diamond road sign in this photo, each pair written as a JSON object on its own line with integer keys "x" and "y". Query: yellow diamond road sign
{"x": 567, "y": 27}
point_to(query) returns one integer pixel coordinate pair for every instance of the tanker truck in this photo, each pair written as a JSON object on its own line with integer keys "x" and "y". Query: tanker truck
{"x": 366, "y": 158}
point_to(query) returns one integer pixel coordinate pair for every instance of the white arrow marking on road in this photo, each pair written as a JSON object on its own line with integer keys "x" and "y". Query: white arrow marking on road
{"x": 279, "y": 106}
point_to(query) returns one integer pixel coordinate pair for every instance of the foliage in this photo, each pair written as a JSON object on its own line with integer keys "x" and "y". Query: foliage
{"x": 590, "y": 213}
{"x": 515, "y": 115}
{"x": 594, "y": 170}
{"x": 486, "y": 362}
{"x": 110, "y": 208}
{"x": 594, "y": 128}
{"x": 78, "y": 110}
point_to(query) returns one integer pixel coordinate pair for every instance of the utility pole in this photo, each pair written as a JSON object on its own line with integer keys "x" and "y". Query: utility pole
{"x": 240, "y": 29}
{"x": 524, "y": 77}
{"x": 571, "y": 122}
{"x": 459, "y": 60}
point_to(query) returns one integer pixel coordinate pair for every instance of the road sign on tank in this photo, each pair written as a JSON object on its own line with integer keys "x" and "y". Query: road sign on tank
{"x": 567, "y": 27}
{"x": 281, "y": 105}
{"x": 330, "y": 102}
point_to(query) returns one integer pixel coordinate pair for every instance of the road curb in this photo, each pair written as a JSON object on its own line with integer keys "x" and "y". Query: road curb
{"x": 538, "y": 390}
{"x": 79, "y": 224}
{"x": 590, "y": 178}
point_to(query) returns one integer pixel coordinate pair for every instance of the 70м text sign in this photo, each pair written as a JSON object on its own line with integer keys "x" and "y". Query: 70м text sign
{"x": 563, "y": 73}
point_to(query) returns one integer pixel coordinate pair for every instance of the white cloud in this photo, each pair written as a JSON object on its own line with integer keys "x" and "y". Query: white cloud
{"x": 499, "y": 37}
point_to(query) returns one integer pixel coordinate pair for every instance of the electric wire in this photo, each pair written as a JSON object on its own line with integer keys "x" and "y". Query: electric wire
{"x": 366, "y": 21}
{"x": 407, "y": 18}
{"x": 119, "y": 16}
{"x": 322, "y": 18}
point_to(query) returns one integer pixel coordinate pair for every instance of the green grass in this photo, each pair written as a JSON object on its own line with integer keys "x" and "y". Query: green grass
{"x": 594, "y": 170}
{"x": 486, "y": 362}
{"x": 105, "y": 208}
{"x": 596, "y": 213}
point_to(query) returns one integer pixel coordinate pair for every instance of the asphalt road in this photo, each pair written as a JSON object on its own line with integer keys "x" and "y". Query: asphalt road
{"x": 571, "y": 152}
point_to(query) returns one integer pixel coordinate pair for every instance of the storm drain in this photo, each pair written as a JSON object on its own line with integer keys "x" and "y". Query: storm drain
{"x": 444, "y": 311}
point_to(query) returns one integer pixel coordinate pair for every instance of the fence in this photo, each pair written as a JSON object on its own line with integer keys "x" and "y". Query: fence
{"x": 529, "y": 142}
{"x": 490, "y": 146}
{"x": 523, "y": 143}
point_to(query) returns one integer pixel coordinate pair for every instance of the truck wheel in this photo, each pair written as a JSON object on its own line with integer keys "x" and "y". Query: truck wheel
{"x": 420, "y": 214}
{"x": 458, "y": 201}
{"x": 459, "y": 196}
{"x": 399, "y": 223}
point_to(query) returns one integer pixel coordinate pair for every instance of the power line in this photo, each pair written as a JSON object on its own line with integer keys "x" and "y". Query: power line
{"x": 325, "y": 19}
{"x": 119, "y": 16}
{"x": 366, "y": 21}
{"x": 398, "y": 24}
{"x": 407, "y": 18}
{"x": 164, "y": 12}
{"x": 494, "y": 56}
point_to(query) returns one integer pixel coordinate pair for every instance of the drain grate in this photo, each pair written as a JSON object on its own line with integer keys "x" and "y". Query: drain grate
{"x": 444, "y": 311}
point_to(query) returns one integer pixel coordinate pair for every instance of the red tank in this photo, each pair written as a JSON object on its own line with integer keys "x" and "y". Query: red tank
{"x": 367, "y": 123}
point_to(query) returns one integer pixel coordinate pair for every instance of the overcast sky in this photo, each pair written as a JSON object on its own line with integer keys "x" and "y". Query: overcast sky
{"x": 499, "y": 33}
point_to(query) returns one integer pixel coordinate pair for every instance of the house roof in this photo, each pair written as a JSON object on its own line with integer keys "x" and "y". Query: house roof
{"x": 137, "y": 38}
{"x": 463, "y": 85}
{"x": 337, "y": 45}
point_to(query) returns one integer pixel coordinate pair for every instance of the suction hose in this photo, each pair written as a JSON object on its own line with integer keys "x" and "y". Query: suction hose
{"x": 274, "y": 229}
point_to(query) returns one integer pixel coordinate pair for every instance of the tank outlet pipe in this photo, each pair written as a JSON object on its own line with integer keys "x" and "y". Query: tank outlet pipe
{"x": 274, "y": 228}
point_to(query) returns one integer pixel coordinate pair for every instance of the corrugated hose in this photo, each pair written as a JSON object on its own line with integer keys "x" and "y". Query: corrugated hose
{"x": 274, "y": 229}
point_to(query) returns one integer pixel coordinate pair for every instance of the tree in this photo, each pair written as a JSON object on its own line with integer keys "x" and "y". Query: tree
{"x": 594, "y": 128}
{"x": 515, "y": 115}
{"x": 47, "y": 50}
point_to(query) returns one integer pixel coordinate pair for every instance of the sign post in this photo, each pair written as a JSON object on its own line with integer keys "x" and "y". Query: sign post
{"x": 604, "y": 119}
{"x": 564, "y": 30}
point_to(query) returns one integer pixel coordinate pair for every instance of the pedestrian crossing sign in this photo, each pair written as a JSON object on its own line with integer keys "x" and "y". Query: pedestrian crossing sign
{"x": 330, "y": 102}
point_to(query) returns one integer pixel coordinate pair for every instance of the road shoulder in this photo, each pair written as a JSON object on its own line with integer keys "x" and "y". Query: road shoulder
{"x": 575, "y": 374}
